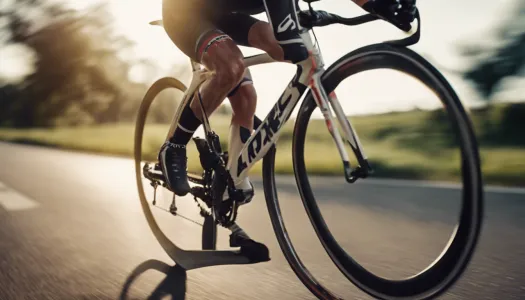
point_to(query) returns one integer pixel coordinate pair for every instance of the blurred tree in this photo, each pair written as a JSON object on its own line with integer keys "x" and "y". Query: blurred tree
{"x": 491, "y": 65}
{"x": 78, "y": 76}
{"x": 8, "y": 98}
{"x": 508, "y": 59}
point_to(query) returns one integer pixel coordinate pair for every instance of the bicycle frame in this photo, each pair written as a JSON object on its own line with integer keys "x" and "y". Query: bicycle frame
{"x": 308, "y": 76}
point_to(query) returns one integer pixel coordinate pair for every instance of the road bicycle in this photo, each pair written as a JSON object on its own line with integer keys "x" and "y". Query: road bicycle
{"x": 317, "y": 85}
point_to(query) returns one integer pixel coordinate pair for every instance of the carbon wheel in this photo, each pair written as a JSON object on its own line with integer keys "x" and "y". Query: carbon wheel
{"x": 446, "y": 269}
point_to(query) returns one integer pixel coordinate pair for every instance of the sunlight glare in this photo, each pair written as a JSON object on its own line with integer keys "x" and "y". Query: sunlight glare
{"x": 16, "y": 62}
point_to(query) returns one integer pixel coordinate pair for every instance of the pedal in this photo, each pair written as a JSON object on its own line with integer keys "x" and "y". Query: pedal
{"x": 254, "y": 251}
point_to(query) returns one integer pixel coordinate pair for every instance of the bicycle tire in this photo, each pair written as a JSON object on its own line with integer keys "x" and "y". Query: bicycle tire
{"x": 209, "y": 232}
{"x": 448, "y": 268}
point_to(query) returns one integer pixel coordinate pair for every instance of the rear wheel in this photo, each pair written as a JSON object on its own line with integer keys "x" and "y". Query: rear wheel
{"x": 446, "y": 269}
{"x": 209, "y": 233}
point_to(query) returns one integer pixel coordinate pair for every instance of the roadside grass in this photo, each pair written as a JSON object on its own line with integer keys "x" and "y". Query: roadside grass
{"x": 399, "y": 145}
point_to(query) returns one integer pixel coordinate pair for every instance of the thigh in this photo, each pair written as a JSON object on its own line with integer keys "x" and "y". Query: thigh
{"x": 186, "y": 22}
{"x": 236, "y": 25}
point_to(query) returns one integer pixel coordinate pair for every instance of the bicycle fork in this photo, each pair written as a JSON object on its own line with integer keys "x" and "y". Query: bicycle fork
{"x": 323, "y": 102}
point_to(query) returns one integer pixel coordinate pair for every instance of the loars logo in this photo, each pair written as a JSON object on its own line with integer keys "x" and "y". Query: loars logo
{"x": 270, "y": 126}
{"x": 286, "y": 24}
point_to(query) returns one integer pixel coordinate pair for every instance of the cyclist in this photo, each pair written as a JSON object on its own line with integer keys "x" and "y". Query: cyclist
{"x": 208, "y": 31}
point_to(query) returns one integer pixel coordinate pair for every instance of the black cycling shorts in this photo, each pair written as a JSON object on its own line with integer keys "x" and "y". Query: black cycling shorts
{"x": 187, "y": 22}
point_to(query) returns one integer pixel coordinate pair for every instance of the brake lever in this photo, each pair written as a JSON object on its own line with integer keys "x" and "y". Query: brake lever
{"x": 411, "y": 40}
{"x": 315, "y": 18}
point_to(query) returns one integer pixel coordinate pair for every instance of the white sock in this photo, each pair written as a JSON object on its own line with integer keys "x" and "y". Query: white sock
{"x": 234, "y": 149}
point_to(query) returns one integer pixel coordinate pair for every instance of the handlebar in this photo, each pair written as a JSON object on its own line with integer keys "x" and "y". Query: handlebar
{"x": 319, "y": 18}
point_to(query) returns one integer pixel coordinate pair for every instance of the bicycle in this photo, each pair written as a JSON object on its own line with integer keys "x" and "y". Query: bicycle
{"x": 311, "y": 75}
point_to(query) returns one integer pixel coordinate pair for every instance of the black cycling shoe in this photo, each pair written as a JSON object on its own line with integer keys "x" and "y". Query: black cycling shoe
{"x": 400, "y": 13}
{"x": 254, "y": 251}
{"x": 173, "y": 161}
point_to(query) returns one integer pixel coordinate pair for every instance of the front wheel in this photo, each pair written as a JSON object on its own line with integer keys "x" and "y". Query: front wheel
{"x": 446, "y": 269}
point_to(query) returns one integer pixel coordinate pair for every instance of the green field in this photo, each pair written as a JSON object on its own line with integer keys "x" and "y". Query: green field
{"x": 400, "y": 145}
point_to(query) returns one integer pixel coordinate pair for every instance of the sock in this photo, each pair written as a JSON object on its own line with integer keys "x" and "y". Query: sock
{"x": 238, "y": 137}
{"x": 186, "y": 127}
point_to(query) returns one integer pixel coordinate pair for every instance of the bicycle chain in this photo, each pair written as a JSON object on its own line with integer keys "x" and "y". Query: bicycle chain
{"x": 204, "y": 210}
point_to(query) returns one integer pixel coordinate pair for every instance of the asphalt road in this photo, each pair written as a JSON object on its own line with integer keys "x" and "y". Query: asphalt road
{"x": 71, "y": 227}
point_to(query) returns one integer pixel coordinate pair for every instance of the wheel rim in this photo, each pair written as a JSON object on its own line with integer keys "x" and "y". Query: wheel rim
{"x": 272, "y": 203}
{"x": 163, "y": 240}
{"x": 429, "y": 282}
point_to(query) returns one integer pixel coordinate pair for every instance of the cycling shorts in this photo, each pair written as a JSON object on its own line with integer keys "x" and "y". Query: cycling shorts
{"x": 192, "y": 24}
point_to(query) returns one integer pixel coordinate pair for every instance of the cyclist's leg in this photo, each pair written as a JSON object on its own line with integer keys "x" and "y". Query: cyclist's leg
{"x": 198, "y": 37}
{"x": 261, "y": 36}
{"x": 251, "y": 32}
{"x": 243, "y": 101}
{"x": 282, "y": 15}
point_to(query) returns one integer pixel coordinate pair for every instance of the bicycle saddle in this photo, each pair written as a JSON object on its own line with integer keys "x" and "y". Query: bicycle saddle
{"x": 157, "y": 23}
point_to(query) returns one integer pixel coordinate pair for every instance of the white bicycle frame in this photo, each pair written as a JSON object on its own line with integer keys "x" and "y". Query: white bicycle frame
{"x": 308, "y": 75}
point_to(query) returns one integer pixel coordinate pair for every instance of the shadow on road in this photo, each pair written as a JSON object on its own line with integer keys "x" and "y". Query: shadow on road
{"x": 174, "y": 284}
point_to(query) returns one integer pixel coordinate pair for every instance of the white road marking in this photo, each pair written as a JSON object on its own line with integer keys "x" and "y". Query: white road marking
{"x": 12, "y": 200}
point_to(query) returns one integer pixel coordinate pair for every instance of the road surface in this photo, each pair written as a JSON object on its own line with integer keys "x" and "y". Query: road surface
{"x": 72, "y": 228}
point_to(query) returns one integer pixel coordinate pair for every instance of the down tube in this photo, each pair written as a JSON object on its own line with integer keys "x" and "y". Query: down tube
{"x": 268, "y": 132}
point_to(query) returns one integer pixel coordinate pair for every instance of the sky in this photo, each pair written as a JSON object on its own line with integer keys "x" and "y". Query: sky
{"x": 446, "y": 24}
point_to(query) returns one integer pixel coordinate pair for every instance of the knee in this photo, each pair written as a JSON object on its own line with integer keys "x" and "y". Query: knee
{"x": 230, "y": 74}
